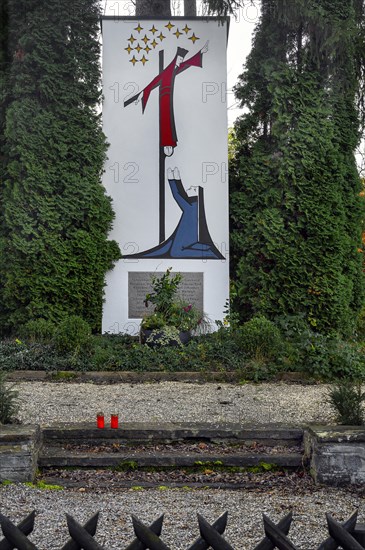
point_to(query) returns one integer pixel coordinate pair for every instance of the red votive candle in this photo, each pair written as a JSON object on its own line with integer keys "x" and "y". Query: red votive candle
{"x": 100, "y": 421}
{"x": 114, "y": 421}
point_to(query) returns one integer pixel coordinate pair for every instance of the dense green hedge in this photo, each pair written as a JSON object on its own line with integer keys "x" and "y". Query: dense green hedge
{"x": 296, "y": 212}
{"x": 55, "y": 216}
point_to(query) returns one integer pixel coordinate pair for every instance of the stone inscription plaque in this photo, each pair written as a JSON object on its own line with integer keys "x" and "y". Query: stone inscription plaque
{"x": 139, "y": 284}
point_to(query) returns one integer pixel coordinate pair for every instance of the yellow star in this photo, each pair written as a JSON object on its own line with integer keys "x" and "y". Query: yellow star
{"x": 193, "y": 38}
{"x": 133, "y": 60}
{"x": 131, "y": 39}
{"x": 161, "y": 36}
{"x": 169, "y": 26}
{"x": 153, "y": 30}
{"x": 177, "y": 33}
{"x": 145, "y": 39}
{"x": 138, "y": 48}
{"x": 154, "y": 43}
{"x": 139, "y": 28}
{"x": 129, "y": 49}
{"x": 148, "y": 49}
{"x": 186, "y": 29}
{"x": 144, "y": 60}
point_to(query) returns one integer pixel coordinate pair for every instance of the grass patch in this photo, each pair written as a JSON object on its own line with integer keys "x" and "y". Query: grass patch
{"x": 126, "y": 466}
{"x": 43, "y": 486}
{"x": 63, "y": 376}
{"x": 6, "y": 482}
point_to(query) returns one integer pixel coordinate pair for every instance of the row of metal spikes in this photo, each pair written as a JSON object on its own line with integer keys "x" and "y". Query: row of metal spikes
{"x": 211, "y": 535}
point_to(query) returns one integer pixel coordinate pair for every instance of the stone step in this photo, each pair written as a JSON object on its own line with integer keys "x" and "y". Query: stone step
{"x": 142, "y": 432}
{"x": 159, "y": 446}
{"x": 140, "y": 485}
{"x": 56, "y": 457}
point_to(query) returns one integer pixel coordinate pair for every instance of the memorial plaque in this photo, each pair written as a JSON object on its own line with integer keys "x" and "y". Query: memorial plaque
{"x": 140, "y": 284}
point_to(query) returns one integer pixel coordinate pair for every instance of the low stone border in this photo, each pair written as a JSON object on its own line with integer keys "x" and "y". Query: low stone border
{"x": 135, "y": 377}
{"x": 19, "y": 451}
{"x": 121, "y": 377}
{"x": 336, "y": 454}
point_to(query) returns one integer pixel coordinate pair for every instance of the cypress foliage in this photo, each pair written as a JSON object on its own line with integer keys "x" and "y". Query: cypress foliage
{"x": 4, "y": 72}
{"x": 296, "y": 210}
{"x": 55, "y": 215}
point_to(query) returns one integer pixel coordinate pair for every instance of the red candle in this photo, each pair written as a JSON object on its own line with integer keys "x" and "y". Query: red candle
{"x": 100, "y": 421}
{"x": 114, "y": 421}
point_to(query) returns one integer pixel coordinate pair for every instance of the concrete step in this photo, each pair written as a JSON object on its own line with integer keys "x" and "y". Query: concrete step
{"x": 142, "y": 432}
{"x": 171, "y": 446}
{"x": 56, "y": 457}
{"x": 83, "y": 485}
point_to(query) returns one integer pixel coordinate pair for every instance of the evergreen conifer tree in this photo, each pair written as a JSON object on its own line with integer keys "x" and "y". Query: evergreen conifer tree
{"x": 55, "y": 216}
{"x": 296, "y": 210}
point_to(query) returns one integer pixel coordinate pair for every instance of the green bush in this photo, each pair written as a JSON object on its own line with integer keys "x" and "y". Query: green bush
{"x": 329, "y": 357}
{"x": 347, "y": 360}
{"x": 38, "y": 330}
{"x": 36, "y": 356}
{"x": 9, "y": 405}
{"x": 291, "y": 326}
{"x": 256, "y": 351}
{"x": 12, "y": 355}
{"x": 260, "y": 338}
{"x": 218, "y": 351}
{"x": 347, "y": 398}
{"x": 72, "y": 335}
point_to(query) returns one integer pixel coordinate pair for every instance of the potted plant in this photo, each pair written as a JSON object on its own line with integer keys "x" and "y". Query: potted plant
{"x": 173, "y": 319}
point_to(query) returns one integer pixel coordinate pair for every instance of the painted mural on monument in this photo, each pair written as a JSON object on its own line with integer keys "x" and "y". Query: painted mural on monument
{"x": 164, "y": 115}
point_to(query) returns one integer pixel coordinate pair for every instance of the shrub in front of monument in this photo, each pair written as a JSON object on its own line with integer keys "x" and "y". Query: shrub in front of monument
{"x": 38, "y": 330}
{"x": 172, "y": 319}
{"x": 347, "y": 399}
{"x": 260, "y": 338}
{"x": 9, "y": 404}
{"x": 209, "y": 352}
{"x": 73, "y": 334}
{"x": 217, "y": 351}
{"x": 205, "y": 353}
{"x": 267, "y": 350}
{"x": 221, "y": 350}
{"x": 320, "y": 356}
{"x": 12, "y": 352}
{"x": 108, "y": 351}
{"x": 329, "y": 357}
{"x": 45, "y": 346}
{"x": 21, "y": 355}
{"x": 347, "y": 359}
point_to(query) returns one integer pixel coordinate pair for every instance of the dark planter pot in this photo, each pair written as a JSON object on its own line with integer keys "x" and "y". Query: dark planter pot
{"x": 184, "y": 338}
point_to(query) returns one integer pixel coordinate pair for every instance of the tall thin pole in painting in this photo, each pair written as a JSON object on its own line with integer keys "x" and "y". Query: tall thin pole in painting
{"x": 162, "y": 170}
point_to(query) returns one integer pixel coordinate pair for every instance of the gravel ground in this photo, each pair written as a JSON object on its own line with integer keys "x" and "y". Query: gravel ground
{"x": 46, "y": 402}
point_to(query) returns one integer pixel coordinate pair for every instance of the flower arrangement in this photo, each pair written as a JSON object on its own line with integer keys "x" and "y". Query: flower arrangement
{"x": 169, "y": 309}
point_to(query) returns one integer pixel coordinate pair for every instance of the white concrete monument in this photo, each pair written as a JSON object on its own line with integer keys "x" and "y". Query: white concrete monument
{"x": 165, "y": 118}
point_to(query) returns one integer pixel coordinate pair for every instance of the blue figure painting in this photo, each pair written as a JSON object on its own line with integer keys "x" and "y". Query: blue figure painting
{"x": 191, "y": 238}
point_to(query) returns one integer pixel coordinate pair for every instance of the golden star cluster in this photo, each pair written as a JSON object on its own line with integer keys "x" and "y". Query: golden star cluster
{"x": 140, "y": 44}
